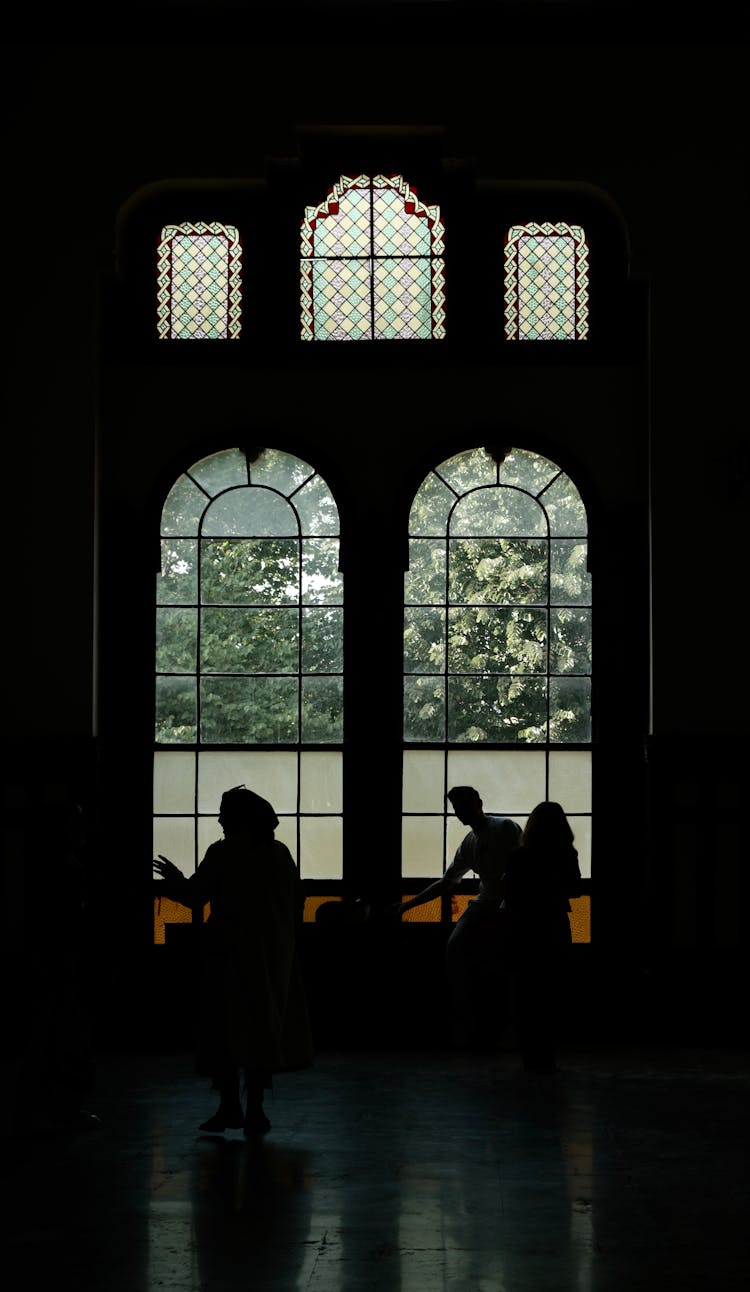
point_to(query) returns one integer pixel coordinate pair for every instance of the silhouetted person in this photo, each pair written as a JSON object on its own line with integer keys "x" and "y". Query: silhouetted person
{"x": 474, "y": 952}
{"x": 540, "y": 877}
{"x": 253, "y": 1016}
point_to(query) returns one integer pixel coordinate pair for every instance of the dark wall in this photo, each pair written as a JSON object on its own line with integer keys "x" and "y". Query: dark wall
{"x": 103, "y": 128}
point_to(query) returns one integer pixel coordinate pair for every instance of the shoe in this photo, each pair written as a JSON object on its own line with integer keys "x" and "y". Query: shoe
{"x": 222, "y": 1121}
{"x": 257, "y": 1123}
{"x": 87, "y": 1120}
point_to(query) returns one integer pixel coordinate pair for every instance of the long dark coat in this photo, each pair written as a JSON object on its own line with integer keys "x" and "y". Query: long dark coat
{"x": 538, "y": 885}
{"x": 253, "y": 1011}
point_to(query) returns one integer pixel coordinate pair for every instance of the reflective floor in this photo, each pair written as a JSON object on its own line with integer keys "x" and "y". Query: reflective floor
{"x": 397, "y": 1172}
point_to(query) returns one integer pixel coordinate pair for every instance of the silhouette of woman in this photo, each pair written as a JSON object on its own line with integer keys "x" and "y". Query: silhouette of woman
{"x": 541, "y": 875}
{"x": 253, "y": 1013}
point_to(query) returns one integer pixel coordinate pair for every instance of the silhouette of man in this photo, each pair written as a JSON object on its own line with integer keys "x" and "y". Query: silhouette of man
{"x": 475, "y": 947}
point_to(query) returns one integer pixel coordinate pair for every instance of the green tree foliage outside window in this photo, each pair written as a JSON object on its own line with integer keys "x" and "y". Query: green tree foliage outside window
{"x": 249, "y": 619}
{"x": 497, "y": 651}
{"x": 249, "y": 658}
{"x": 497, "y": 632}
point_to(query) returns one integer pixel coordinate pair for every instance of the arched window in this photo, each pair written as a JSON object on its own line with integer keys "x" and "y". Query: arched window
{"x": 372, "y": 263}
{"x": 199, "y": 289}
{"x": 249, "y": 657}
{"x": 546, "y": 283}
{"x": 497, "y": 651}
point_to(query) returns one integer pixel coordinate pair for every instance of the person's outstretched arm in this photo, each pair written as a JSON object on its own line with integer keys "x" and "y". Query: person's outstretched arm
{"x": 175, "y": 885}
{"x": 428, "y": 894}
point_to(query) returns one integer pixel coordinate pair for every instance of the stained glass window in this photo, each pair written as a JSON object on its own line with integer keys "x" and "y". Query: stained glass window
{"x": 249, "y": 656}
{"x": 199, "y": 288}
{"x": 372, "y": 263}
{"x": 546, "y": 283}
{"x": 497, "y": 650}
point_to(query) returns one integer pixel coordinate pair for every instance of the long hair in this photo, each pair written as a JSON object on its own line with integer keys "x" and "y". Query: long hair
{"x": 547, "y": 827}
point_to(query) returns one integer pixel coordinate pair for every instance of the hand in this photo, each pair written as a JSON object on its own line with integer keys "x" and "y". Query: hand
{"x": 166, "y": 869}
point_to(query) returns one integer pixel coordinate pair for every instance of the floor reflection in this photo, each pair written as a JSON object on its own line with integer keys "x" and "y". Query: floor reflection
{"x": 231, "y": 1213}
{"x": 398, "y": 1173}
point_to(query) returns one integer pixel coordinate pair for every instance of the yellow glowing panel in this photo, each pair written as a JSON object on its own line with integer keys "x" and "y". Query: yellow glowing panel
{"x": 459, "y": 902}
{"x": 580, "y": 918}
{"x": 427, "y": 914}
{"x": 167, "y": 911}
{"x": 312, "y": 904}
{"x": 430, "y": 913}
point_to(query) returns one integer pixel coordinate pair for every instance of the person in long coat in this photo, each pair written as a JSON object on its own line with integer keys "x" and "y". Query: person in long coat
{"x": 253, "y": 1018}
{"x": 541, "y": 876}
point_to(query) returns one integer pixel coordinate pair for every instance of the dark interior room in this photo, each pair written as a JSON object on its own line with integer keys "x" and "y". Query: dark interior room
{"x": 369, "y": 354}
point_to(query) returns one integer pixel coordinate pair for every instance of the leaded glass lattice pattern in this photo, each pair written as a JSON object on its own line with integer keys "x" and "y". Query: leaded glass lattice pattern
{"x": 199, "y": 289}
{"x": 546, "y": 283}
{"x": 372, "y": 264}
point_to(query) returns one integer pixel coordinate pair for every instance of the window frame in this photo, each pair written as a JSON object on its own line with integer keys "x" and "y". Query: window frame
{"x": 448, "y": 751}
{"x": 165, "y": 290}
{"x": 297, "y": 819}
{"x": 370, "y": 257}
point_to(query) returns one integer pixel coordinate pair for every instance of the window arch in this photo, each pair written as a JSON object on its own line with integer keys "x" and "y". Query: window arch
{"x": 497, "y": 649}
{"x": 371, "y": 264}
{"x": 249, "y": 657}
{"x": 546, "y": 283}
{"x": 199, "y": 285}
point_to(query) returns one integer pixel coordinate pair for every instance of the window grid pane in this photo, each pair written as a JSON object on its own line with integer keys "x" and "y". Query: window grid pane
{"x": 546, "y": 283}
{"x": 487, "y": 659}
{"x": 371, "y": 263}
{"x": 497, "y": 653}
{"x": 226, "y": 672}
{"x": 199, "y": 289}
{"x": 249, "y": 661}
